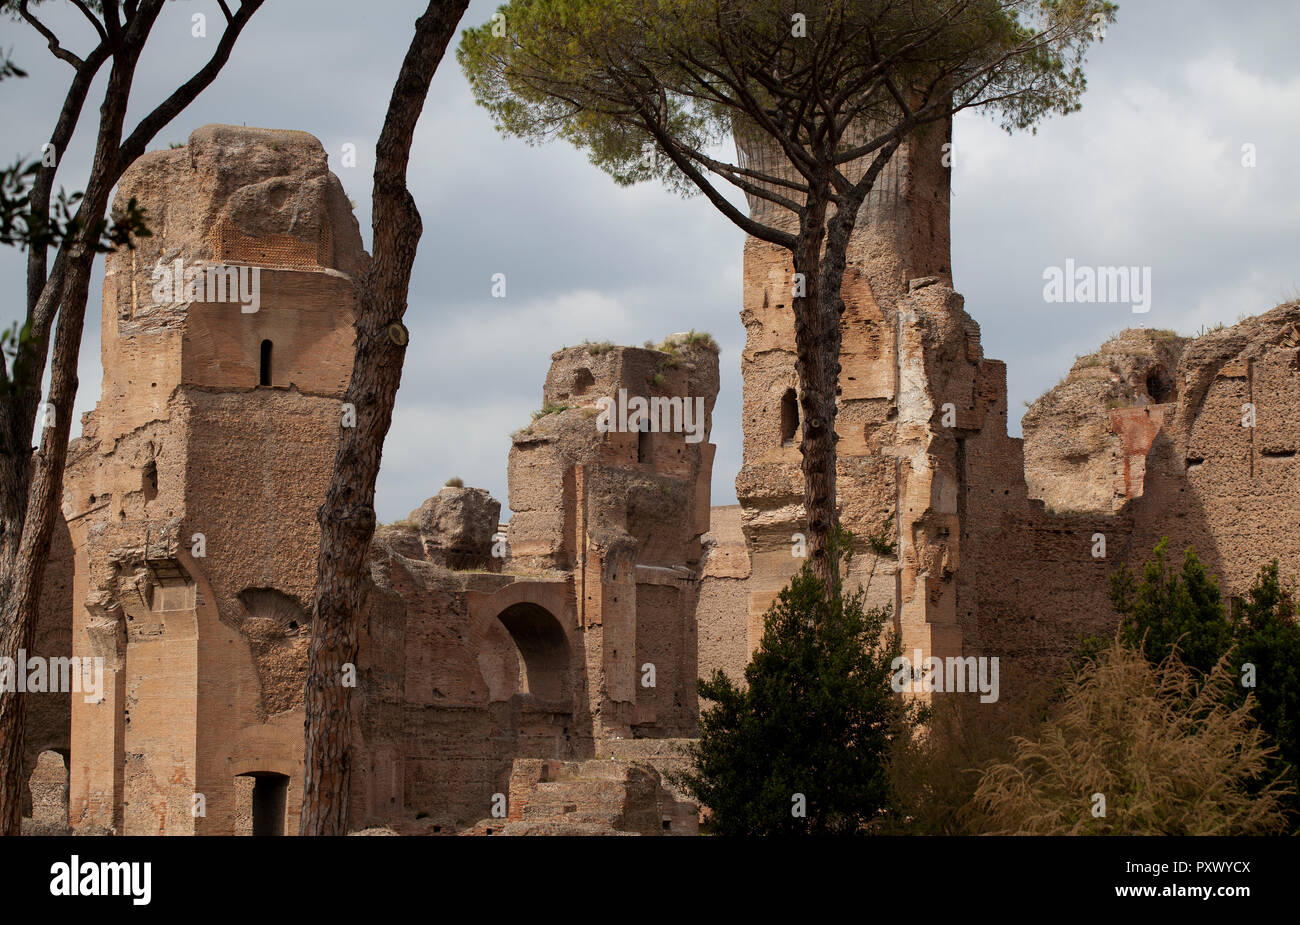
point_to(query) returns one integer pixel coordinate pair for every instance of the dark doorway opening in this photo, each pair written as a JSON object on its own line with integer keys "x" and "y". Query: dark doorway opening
{"x": 149, "y": 480}
{"x": 1159, "y": 386}
{"x": 265, "y": 376}
{"x": 270, "y": 791}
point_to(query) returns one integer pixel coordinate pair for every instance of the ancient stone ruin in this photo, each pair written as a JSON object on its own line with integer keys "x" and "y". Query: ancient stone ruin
{"x": 539, "y": 676}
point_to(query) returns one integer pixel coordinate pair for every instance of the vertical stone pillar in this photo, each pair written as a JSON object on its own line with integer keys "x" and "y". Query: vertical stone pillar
{"x": 99, "y": 727}
{"x": 892, "y": 473}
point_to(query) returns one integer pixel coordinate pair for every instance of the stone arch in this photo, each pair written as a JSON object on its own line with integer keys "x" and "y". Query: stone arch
{"x": 543, "y": 650}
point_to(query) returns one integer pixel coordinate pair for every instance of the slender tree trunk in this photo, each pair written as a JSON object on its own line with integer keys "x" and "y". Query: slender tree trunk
{"x": 816, "y": 363}
{"x": 821, "y": 256}
{"x": 31, "y": 486}
{"x": 28, "y": 528}
{"x": 20, "y": 610}
{"x": 347, "y": 517}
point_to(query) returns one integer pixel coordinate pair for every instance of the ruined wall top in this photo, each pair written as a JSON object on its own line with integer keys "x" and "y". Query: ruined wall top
{"x": 903, "y": 230}
{"x": 246, "y": 278}
{"x": 238, "y": 195}
{"x": 649, "y": 483}
{"x": 1083, "y": 444}
{"x": 1087, "y": 440}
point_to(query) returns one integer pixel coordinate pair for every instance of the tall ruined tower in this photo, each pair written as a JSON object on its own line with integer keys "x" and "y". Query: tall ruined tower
{"x": 191, "y": 496}
{"x": 900, "y": 317}
{"x": 622, "y": 511}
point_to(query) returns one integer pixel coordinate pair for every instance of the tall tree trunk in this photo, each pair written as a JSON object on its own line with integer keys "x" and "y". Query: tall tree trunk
{"x": 28, "y": 528}
{"x": 26, "y": 574}
{"x": 821, "y": 256}
{"x": 347, "y": 517}
{"x": 31, "y": 485}
{"x": 816, "y": 339}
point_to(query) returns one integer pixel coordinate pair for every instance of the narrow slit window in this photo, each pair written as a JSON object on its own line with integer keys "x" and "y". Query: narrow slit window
{"x": 265, "y": 376}
{"x": 789, "y": 417}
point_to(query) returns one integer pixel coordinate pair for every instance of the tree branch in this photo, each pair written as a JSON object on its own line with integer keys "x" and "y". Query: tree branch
{"x": 43, "y": 185}
{"x": 185, "y": 94}
{"x": 51, "y": 39}
{"x": 99, "y": 27}
{"x": 742, "y": 221}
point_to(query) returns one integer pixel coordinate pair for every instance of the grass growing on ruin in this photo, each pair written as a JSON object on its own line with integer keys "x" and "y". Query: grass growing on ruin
{"x": 598, "y": 347}
{"x": 702, "y": 340}
{"x": 551, "y": 407}
{"x": 454, "y": 482}
{"x": 691, "y": 340}
{"x": 674, "y": 353}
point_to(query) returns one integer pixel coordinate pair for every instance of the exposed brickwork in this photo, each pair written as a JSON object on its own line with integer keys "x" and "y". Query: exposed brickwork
{"x": 278, "y": 251}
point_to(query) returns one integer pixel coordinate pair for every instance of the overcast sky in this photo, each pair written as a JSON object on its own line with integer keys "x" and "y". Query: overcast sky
{"x": 1149, "y": 173}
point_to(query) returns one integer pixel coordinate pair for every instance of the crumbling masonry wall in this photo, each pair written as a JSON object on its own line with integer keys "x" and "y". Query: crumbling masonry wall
{"x": 892, "y": 478}
{"x": 1210, "y": 459}
{"x": 1003, "y": 546}
{"x": 191, "y": 494}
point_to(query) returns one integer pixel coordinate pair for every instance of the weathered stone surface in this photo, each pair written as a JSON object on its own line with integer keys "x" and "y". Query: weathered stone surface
{"x": 456, "y": 526}
{"x": 607, "y": 796}
{"x": 626, "y": 510}
{"x": 1086, "y": 440}
{"x": 191, "y": 495}
{"x": 1142, "y": 439}
{"x": 49, "y": 787}
{"x": 191, "y": 504}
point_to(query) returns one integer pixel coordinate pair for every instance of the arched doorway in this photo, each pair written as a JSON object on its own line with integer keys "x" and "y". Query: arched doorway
{"x": 543, "y": 648}
{"x": 263, "y": 796}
